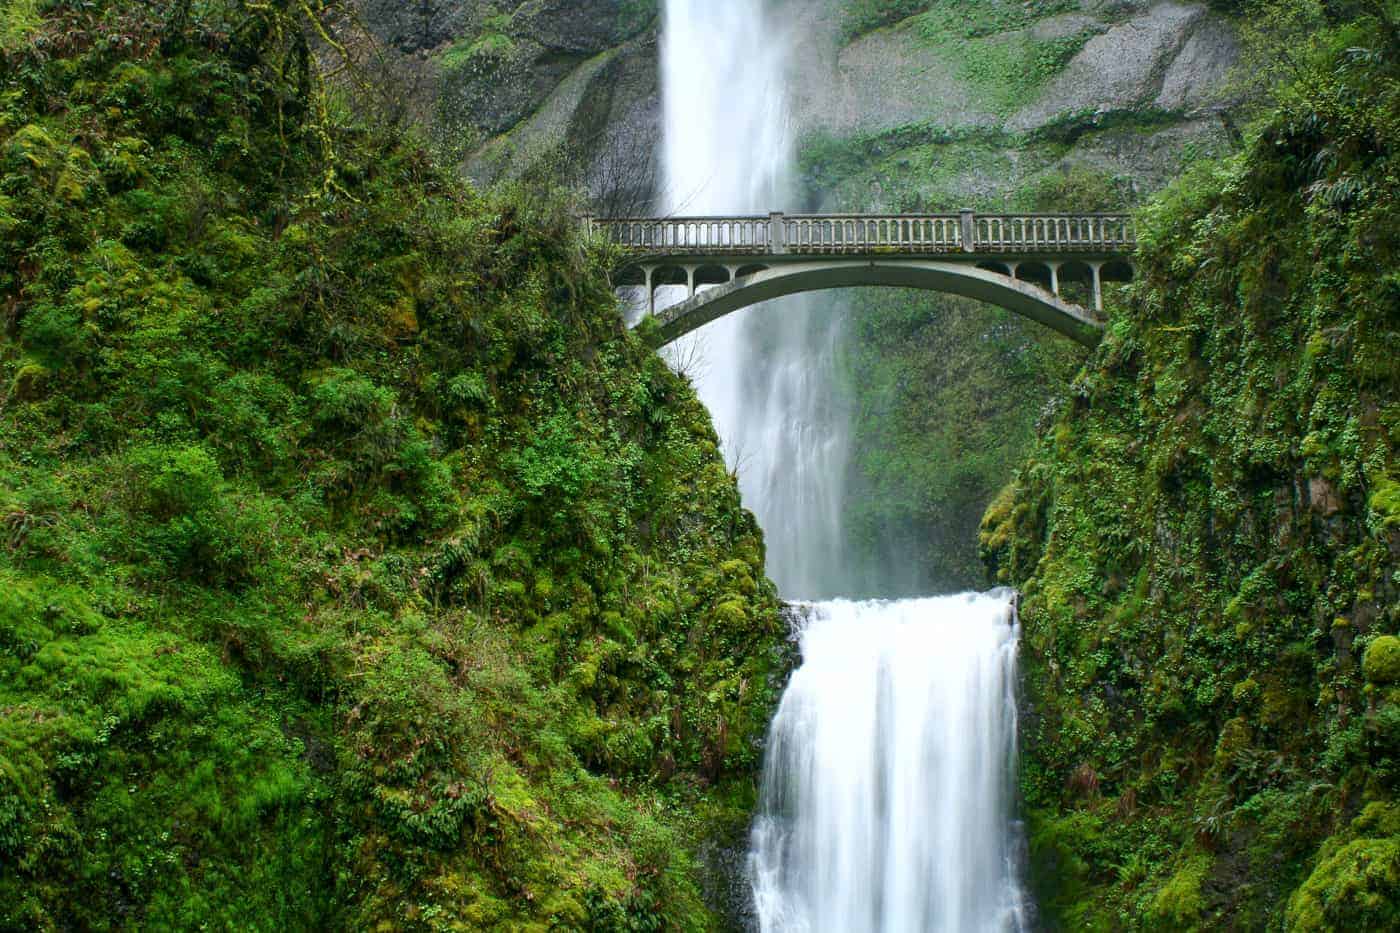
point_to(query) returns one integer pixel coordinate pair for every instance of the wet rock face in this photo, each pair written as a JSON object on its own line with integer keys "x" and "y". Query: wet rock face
{"x": 515, "y": 80}
{"x": 580, "y": 27}
{"x": 890, "y": 78}
{"x": 724, "y": 880}
{"x": 1200, "y": 68}
{"x": 498, "y": 61}
{"x": 1170, "y": 56}
{"x": 497, "y": 84}
{"x": 584, "y": 27}
{"x": 421, "y": 24}
{"x": 603, "y": 118}
{"x": 1136, "y": 56}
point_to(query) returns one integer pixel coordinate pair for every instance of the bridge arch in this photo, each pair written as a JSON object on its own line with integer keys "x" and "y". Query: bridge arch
{"x": 965, "y": 279}
{"x": 1017, "y": 261}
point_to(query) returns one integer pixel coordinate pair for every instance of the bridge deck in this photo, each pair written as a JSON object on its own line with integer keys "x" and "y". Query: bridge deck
{"x": 964, "y": 234}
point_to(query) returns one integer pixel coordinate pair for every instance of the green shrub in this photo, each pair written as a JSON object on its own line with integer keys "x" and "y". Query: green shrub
{"x": 1381, "y": 663}
{"x": 1179, "y": 903}
{"x": 1355, "y": 886}
{"x": 191, "y": 521}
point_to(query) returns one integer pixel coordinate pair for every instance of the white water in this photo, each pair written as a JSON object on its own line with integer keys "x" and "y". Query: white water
{"x": 767, "y": 374}
{"x": 887, "y": 802}
{"x": 888, "y": 779}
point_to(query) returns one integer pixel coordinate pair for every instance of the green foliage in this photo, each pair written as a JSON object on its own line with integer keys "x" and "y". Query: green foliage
{"x": 189, "y": 522}
{"x": 1001, "y": 62}
{"x": 358, "y": 569}
{"x": 861, "y": 16}
{"x": 1356, "y": 885}
{"x": 1381, "y": 663}
{"x": 947, "y": 394}
{"x": 964, "y": 19}
{"x": 18, "y": 19}
{"x": 1179, "y": 903}
{"x": 1200, "y": 538}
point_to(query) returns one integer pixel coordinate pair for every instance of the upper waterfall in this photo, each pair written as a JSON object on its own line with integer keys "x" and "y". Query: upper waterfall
{"x": 769, "y": 382}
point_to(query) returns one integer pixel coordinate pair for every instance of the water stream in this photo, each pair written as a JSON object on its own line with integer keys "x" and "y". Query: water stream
{"x": 888, "y": 779}
{"x": 887, "y": 802}
{"x": 768, "y": 374}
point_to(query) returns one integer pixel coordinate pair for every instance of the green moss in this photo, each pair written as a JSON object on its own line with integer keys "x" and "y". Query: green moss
{"x": 1179, "y": 903}
{"x": 1356, "y": 886}
{"x": 1001, "y": 62}
{"x": 1381, "y": 663}
{"x": 1180, "y": 565}
{"x": 477, "y": 51}
{"x": 1385, "y": 502}
{"x": 352, "y": 572}
{"x": 18, "y": 20}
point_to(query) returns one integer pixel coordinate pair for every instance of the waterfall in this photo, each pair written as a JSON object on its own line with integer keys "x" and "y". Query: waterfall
{"x": 887, "y": 796}
{"x": 768, "y": 375}
{"x": 889, "y": 772}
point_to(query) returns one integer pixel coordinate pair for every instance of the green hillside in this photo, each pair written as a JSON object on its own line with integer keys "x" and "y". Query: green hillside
{"x": 1207, "y": 535}
{"x": 357, "y": 568}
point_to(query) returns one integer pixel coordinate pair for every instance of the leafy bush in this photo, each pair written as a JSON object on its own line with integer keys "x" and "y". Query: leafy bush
{"x": 1381, "y": 663}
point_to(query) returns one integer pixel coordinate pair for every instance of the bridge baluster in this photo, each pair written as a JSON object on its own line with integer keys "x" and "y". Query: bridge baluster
{"x": 853, "y": 234}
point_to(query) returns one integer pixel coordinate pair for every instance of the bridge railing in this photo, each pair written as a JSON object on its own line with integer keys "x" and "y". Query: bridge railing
{"x": 688, "y": 235}
{"x": 913, "y": 234}
{"x": 1052, "y": 232}
{"x": 864, "y": 233}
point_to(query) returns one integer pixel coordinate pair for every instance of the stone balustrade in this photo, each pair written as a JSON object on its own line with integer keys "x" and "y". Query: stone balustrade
{"x": 779, "y": 234}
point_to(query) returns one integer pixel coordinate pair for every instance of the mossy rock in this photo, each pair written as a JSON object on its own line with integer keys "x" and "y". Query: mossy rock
{"x": 29, "y": 382}
{"x": 1355, "y": 887}
{"x": 1381, "y": 664}
{"x": 1179, "y": 903}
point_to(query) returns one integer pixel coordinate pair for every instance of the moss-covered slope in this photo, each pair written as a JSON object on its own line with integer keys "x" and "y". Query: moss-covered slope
{"x": 357, "y": 568}
{"x": 1207, "y": 538}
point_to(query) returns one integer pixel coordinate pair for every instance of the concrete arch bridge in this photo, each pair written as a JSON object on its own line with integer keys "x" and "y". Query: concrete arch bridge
{"x": 1023, "y": 262}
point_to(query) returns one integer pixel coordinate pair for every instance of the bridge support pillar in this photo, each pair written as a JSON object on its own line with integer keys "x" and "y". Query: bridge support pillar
{"x": 690, "y": 280}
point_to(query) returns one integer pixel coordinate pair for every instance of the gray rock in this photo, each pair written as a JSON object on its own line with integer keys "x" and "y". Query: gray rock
{"x": 724, "y": 882}
{"x": 1198, "y": 75}
{"x": 499, "y": 59}
{"x": 1117, "y": 10}
{"x": 886, "y": 79}
{"x": 1121, "y": 69}
{"x": 1059, "y": 27}
{"x": 579, "y": 26}
{"x": 601, "y": 122}
{"x": 1148, "y": 161}
{"x": 423, "y": 24}
{"x": 494, "y": 89}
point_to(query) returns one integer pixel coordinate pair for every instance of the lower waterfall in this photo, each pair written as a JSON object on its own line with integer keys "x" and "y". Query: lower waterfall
{"x": 888, "y": 787}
